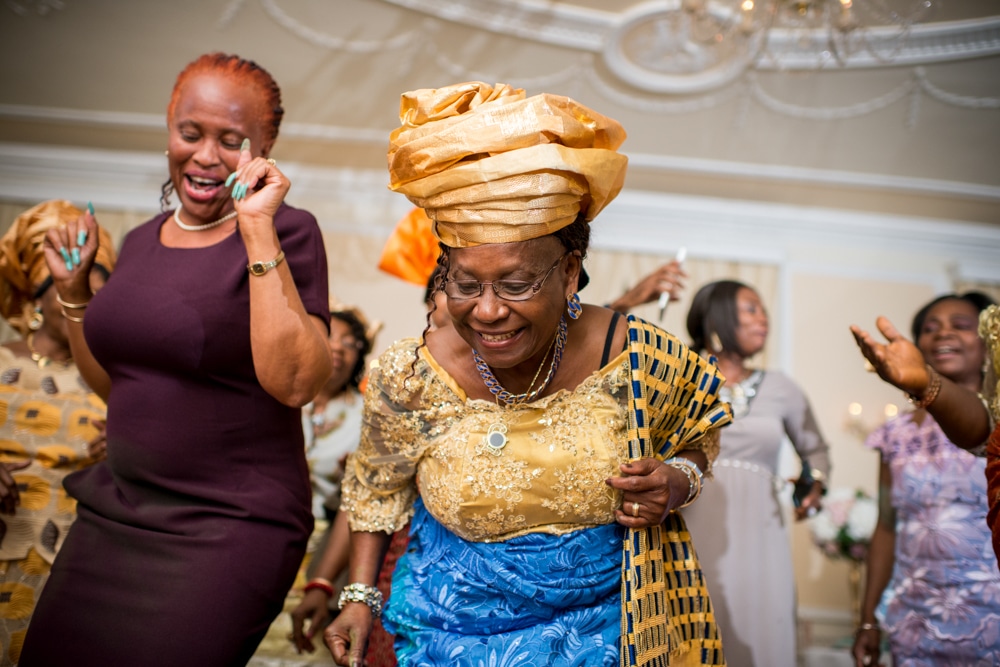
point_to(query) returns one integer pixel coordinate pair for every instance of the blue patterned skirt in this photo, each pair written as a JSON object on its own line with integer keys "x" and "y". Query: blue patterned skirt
{"x": 534, "y": 601}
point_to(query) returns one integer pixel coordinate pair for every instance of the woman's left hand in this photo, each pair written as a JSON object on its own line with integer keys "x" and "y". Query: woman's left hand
{"x": 650, "y": 489}
{"x": 258, "y": 188}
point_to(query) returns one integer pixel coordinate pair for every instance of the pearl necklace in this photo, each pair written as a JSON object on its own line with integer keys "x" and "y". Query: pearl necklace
{"x": 496, "y": 435}
{"x": 200, "y": 228}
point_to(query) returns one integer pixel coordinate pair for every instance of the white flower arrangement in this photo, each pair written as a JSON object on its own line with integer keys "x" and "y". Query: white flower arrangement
{"x": 844, "y": 527}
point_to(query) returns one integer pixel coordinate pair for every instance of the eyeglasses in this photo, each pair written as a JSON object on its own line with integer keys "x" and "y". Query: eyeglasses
{"x": 349, "y": 342}
{"x": 508, "y": 290}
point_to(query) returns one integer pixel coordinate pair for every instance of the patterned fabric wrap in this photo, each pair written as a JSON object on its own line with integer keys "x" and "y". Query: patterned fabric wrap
{"x": 531, "y": 601}
{"x": 993, "y": 488}
{"x": 666, "y": 612}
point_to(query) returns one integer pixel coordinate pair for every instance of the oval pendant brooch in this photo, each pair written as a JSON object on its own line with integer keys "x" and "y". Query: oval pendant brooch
{"x": 496, "y": 438}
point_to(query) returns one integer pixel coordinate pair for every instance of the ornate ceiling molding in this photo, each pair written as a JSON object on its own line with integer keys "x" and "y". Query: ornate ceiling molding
{"x": 637, "y": 49}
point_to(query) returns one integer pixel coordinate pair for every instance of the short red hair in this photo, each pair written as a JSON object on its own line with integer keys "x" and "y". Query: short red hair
{"x": 246, "y": 72}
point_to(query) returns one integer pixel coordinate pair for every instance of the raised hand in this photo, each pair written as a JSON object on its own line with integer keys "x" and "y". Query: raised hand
{"x": 899, "y": 362}
{"x": 258, "y": 188}
{"x": 69, "y": 253}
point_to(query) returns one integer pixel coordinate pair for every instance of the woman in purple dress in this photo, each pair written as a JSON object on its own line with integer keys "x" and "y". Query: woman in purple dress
{"x": 932, "y": 584}
{"x": 205, "y": 348}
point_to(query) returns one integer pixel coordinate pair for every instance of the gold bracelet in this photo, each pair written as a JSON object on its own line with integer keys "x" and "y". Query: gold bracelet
{"x": 869, "y": 626}
{"x": 72, "y": 306}
{"x": 930, "y": 393}
{"x": 70, "y": 317}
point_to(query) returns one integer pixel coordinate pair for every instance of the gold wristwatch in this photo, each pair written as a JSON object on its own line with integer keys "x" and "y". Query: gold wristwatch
{"x": 260, "y": 268}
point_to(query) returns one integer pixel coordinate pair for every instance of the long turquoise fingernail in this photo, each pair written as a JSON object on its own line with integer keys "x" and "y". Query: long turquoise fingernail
{"x": 242, "y": 190}
{"x": 236, "y": 192}
{"x": 90, "y": 207}
{"x": 65, "y": 255}
{"x": 81, "y": 237}
{"x": 76, "y": 256}
{"x": 230, "y": 179}
{"x": 245, "y": 146}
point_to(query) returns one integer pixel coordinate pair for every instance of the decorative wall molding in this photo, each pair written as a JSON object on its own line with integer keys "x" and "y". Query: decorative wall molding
{"x": 129, "y": 121}
{"x": 358, "y": 201}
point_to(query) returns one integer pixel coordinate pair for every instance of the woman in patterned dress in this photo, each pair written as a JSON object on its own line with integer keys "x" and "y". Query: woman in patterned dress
{"x": 52, "y": 423}
{"x": 932, "y": 583}
{"x": 550, "y": 441}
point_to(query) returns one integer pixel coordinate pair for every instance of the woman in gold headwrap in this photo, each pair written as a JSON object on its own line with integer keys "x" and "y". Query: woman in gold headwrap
{"x": 53, "y": 423}
{"x": 551, "y": 441}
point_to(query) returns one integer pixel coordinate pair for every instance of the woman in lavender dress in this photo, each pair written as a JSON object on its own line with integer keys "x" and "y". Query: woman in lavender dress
{"x": 933, "y": 585}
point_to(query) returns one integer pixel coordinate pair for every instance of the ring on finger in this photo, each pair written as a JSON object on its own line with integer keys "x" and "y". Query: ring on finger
{"x": 271, "y": 161}
{"x": 635, "y": 509}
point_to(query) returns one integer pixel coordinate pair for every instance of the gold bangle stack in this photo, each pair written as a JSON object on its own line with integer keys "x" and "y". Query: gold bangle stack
{"x": 71, "y": 306}
{"x": 930, "y": 393}
{"x": 693, "y": 474}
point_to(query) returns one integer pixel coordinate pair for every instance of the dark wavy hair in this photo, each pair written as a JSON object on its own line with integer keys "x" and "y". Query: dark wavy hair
{"x": 360, "y": 333}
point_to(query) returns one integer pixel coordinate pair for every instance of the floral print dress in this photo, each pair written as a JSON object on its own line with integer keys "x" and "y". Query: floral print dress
{"x": 942, "y": 604}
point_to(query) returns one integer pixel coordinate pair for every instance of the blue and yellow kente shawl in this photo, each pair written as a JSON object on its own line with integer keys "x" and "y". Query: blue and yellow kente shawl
{"x": 667, "y": 617}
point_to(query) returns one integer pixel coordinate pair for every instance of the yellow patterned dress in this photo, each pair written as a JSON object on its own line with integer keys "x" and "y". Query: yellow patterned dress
{"x": 515, "y": 557}
{"x": 46, "y": 417}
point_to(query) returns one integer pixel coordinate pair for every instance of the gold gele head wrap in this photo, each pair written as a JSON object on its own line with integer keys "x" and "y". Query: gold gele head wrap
{"x": 22, "y": 258}
{"x": 490, "y": 165}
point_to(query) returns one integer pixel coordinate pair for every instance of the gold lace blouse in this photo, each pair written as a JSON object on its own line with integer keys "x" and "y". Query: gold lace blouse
{"x": 422, "y": 431}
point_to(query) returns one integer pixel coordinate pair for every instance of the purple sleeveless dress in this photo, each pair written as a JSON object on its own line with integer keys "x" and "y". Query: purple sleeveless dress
{"x": 190, "y": 534}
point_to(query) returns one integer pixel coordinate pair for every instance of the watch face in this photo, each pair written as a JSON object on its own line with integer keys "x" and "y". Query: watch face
{"x": 260, "y": 268}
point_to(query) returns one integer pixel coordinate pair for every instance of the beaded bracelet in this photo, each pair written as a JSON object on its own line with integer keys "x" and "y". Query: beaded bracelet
{"x": 369, "y": 595}
{"x": 693, "y": 473}
{"x": 319, "y": 583}
{"x": 930, "y": 393}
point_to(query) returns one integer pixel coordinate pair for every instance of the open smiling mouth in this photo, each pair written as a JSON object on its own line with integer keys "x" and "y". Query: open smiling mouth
{"x": 203, "y": 186}
{"x": 497, "y": 338}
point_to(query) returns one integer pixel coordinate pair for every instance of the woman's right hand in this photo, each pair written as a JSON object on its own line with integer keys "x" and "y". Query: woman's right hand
{"x": 314, "y": 608}
{"x": 347, "y": 636}
{"x": 899, "y": 362}
{"x": 866, "y": 647}
{"x": 72, "y": 279}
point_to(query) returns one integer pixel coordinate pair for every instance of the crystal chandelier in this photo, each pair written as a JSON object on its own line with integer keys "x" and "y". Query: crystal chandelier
{"x": 792, "y": 32}
{"x": 690, "y": 46}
